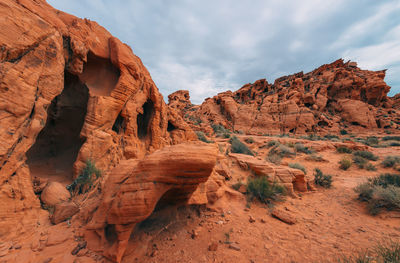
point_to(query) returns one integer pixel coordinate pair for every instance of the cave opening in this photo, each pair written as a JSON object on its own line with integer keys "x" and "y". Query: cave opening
{"x": 143, "y": 119}
{"x": 119, "y": 124}
{"x": 170, "y": 127}
{"x": 53, "y": 154}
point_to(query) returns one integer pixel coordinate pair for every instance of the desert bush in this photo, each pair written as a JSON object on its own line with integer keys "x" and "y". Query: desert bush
{"x": 84, "y": 182}
{"x": 366, "y": 154}
{"x": 386, "y": 252}
{"x": 263, "y": 190}
{"x": 274, "y": 158}
{"x": 238, "y": 147}
{"x": 298, "y": 166}
{"x": 285, "y": 151}
{"x": 315, "y": 157}
{"x": 221, "y": 131}
{"x": 391, "y": 138}
{"x": 344, "y": 149}
{"x": 324, "y": 180}
{"x": 343, "y": 132}
{"x": 299, "y": 147}
{"x": 391, "y": 160}
{"x": 370, "y": 167}
{"x": 249, "y": 140}
{"x": 360, "y": 161}
{"x": 371, "y": 141}
{"x": 380, "y": 192}
{"x": 272, "y": 143}
{"x": 394, "y": 144}
{"x": 202, "y": 137}
{"x": 345, "y": 164}
{"x": 331, "y": 136}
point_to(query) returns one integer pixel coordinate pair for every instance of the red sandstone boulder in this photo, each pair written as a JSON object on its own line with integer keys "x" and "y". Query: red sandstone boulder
{"x": 54, "y": 193}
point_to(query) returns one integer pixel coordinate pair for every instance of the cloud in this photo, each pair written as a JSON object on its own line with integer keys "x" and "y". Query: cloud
{"x": 212, "y": 46}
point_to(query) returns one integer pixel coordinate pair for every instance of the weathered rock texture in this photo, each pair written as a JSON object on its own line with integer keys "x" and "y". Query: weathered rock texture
{"x": 69, "y": 92}
{"x": 133, "y": 189}
{"x": 332, "y": 97}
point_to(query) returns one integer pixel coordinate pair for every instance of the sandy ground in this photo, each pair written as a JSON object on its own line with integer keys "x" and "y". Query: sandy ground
{"x": 331, "y": 223}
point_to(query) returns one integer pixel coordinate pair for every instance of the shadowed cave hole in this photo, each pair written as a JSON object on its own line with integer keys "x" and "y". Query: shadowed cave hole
{"x": 53, "y": 154}
{"x": 143, "y": 119}
{"x": 110, "y": 233}
{"x": 119, "y": 124}
{"x": 170, "y": 127}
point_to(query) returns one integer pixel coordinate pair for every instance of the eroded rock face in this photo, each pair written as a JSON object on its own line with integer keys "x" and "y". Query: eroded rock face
{"x": 134, "y": 187}
{"x": 69, "y": 92}
{"x": 321, "y": 101}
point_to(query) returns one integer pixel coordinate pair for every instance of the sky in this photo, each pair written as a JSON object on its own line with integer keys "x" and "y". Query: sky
{"x": 211, "y": 46}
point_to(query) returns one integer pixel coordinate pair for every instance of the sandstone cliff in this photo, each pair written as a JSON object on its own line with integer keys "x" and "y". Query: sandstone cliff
{"x": 332, "y": 97}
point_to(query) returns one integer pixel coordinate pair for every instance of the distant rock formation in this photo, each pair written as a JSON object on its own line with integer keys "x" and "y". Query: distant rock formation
{"x": 330, "y": 98}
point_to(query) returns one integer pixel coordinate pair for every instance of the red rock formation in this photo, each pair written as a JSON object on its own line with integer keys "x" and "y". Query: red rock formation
{"x": 133, "y": 189}
{"x": 69, "y": 92}
{"x": 324, "y": 100}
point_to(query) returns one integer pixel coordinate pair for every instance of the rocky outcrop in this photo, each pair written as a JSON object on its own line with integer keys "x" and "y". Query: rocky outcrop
{"x": 180, "y": 101}
{"x": 321, "y": 101}
{"x": 292, "y": 179}
{"x": 133, "y": 189}
{"x": 69, "y": 92}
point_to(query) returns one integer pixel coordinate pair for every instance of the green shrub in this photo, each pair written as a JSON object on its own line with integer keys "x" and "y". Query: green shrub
{"x": 380, "y": 192}
{"x": 394, "y": 144}
{"x": 391, "y": 138}
{"x": 221, "y": 131}
{"x": 360, "y": 161}
{"x": 391, "y": 160}
{"x": 331, "y": 136}
{"x": 84, "y": 182}
{"x": 366, "y": 154}
{"x": 298, "y": 166}
{"x": 343, "y": 132}
{"x": 387, "y": 252}
{"x": 274, "y": 158}
{"x": 386, "y": 179}
{"x": 345, "y": 164}
{"x": 238, "y": 147}
{"x": 285, "y": 151}
{"x": 202, "y": 137}
{"x": 249, "y": 140}
{"x": 272, "y": 143}
{"x": 344, "y": 149}
{"x": 372, "y": 141}
{"x": 315, "y": 157}
{"x": 370, "y": 167}
{"x": 299, "y": 147}
{"x": 322, "y": 179}
{"x": 263, "y": 190}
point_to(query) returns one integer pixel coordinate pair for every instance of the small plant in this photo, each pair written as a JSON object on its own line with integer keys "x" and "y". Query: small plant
{"x": 343, "y": 132}
{"x": 360, "y": 161}
{"x": 386, "y": 252}
{"x": 391, "y": 161}
{"x": 238, "y": 147}
{"x": 221, "y": 131}
{"x": 272, "y": 143}
{"x": 345, "y": 164}
{"x": 274, "y": 158}
{"x": 249, "y": 140}
{"x": 344, "y": 149}
{"x": 279, "y": 151}
{"x": 315, "y": 158}
{"x": 84, "y": 182}
{"x": 202, "y": 137}
{"x": 237, "y": 185}
{"x": 391, "y": 138}
{"x": 380, "y": 192}
{"x": 366, "y": 154}
{"x": 324, "y": 180}
{"x": 331, "y": 136}
{"x": 370, "y": 167}
{"x": 299, "y": 147}
{"x": 285, "y": 151}
{"x": 372, "y": 141}
{"x": 263, "y": 190}
{"x": 298, "y": 166}
{"x": 228, "y": 236}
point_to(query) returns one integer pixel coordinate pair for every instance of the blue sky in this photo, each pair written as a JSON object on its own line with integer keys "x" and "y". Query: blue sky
{"x": 211, "y": 46}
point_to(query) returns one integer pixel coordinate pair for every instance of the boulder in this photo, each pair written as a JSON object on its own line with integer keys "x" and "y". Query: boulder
{"x": 54, "y": 193}
{"x": 63, "y": 211}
